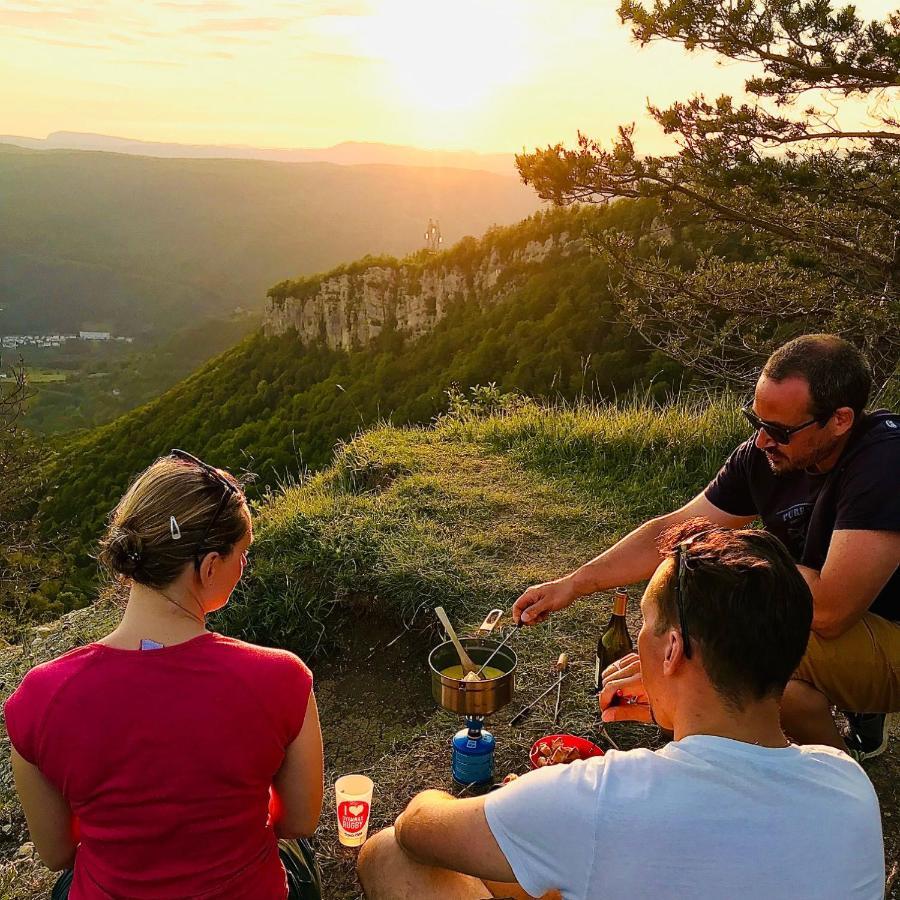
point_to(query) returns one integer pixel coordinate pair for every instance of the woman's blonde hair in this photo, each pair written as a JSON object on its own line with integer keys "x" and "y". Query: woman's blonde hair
{"x": 157, "y": 527}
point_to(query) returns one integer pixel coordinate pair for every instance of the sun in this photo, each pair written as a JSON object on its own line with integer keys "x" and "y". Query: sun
{"x": 448, "y": 56}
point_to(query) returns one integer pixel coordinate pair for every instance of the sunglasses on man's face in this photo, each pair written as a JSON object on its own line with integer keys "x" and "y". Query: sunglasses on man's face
{"x": 781, "y": 434}
{"x": 226, "y": 495}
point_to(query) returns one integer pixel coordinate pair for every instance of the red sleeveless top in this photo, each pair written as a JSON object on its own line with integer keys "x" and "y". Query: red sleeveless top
{"x": 166, "y": 758}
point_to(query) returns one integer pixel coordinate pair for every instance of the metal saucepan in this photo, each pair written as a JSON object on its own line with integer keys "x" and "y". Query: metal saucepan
{"x": 474, "y": 698}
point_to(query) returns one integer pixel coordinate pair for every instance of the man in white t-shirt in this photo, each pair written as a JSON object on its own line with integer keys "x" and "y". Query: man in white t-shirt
{"x": 728, "y": 809}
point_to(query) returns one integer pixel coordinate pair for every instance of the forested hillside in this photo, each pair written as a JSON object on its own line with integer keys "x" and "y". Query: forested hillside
{"x": 275, "y": 407}
{"x": 141, "y": 246}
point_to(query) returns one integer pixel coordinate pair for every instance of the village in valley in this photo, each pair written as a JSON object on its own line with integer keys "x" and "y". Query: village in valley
{"x": 14, "y": 341}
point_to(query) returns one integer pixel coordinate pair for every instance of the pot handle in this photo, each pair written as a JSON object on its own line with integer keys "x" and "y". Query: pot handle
{"x": 491, "y": 620}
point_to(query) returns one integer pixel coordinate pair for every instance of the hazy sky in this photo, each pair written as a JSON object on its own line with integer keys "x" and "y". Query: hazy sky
{"x": 489, "y": 75}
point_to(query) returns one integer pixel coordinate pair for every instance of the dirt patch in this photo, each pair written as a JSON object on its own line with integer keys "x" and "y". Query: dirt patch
{"x": 372, "y": 693}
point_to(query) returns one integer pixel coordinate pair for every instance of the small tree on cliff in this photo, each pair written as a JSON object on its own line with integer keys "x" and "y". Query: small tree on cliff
{"x": 28, "y": 566}
{"x": 13, "y": 395}
{"x": 785, "y": 222}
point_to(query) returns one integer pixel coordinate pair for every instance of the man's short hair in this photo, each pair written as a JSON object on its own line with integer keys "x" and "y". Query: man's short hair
{"x": 745, "y": 605}
{"x": 837, "y": 373}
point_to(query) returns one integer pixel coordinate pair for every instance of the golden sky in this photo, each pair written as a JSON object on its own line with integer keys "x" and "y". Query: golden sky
{"x": 486, "y": 75}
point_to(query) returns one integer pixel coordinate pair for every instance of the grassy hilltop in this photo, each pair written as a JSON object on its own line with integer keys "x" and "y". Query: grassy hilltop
{"x": 466, "y": 513}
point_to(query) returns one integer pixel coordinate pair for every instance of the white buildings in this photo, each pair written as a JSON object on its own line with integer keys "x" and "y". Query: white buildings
{"x": 11, "y": 341}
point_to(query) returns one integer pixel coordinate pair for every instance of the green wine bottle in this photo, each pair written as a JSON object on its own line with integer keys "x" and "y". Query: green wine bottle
{"x": 615, "y": 641}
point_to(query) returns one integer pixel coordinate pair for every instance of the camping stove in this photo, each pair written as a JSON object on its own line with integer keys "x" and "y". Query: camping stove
{"x": 473, "y": 753}
{"x": 473, "y": 746}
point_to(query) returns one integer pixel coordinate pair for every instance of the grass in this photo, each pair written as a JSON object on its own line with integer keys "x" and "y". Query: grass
{"x": 464, "y": 514}
{"x": 467, "y": 512}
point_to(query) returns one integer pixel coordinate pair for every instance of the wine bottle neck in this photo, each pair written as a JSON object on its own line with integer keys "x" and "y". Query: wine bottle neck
{"x": 620, "y": 602}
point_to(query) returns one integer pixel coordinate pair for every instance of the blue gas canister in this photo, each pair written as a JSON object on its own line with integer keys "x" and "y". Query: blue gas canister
{"x": 473, "y": 753}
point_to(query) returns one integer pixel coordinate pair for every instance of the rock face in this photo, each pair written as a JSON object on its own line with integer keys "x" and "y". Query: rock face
{"x": 349, "y": 309}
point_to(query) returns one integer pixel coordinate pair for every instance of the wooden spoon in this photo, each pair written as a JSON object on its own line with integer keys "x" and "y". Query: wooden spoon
{"x": 464, "y": 658}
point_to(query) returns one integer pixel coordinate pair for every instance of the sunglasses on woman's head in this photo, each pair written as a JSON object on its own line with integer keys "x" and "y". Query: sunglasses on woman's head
{"x": 226, "y": 495}
{"x": 781, "y": 434}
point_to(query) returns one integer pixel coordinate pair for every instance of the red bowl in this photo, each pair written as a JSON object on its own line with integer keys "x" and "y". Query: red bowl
{"x": 585, "y": 748}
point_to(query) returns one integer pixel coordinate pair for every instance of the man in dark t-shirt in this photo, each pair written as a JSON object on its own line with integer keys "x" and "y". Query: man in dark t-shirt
{"x": 824, "y": 476}
{"x": 805, "y": 507}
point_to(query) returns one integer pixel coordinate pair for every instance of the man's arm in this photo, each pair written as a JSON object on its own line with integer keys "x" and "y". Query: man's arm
{"x": 50, "y": 821}
{"x": 439, "y": 830}
{"x": 634, "y": 558}
{"x": 858, "y": 565}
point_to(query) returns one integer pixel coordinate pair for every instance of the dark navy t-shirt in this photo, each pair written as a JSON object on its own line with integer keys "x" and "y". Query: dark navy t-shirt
{"x": 862, "y": 492}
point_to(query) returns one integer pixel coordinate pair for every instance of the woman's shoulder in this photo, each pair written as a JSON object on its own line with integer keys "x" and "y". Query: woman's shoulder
{"x": 47, "y": 677}
{"x": 277, "y": 680}
{"x": 28, "y": 704}
{"x": 265, "y": 659}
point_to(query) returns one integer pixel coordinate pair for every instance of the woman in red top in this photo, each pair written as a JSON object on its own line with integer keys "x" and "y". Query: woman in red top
{"x": 165, "y": 760}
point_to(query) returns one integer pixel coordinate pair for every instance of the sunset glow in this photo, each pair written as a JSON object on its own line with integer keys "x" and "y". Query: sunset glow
{"x": 487, "y": 75}
{"x": 448, "y": 57}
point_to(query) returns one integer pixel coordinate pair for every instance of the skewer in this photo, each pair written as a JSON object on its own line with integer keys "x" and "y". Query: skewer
{"x": 561, "y": 665}
{"x": 607, "y": 738}
{"x": 617, "y": 700}
{"x": 498, "y": 647}
{"x": 466, "y": 788}
{"x": 521, "y": 713}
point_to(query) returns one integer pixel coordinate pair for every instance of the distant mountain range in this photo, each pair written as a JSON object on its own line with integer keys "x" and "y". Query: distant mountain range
{"x": 348, "y": 153}
{"x": 144, "y": 246}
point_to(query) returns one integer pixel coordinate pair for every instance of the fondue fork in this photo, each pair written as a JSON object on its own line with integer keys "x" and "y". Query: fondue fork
{"x": 616, "y": 701}
{"x": 561, "y": 665}
{"x": 499, "y": 647}
{"x": 521, "y": 712}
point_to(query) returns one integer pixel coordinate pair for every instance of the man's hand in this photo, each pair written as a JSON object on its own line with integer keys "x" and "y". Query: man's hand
{"x": 623, "y": 698}
{"x": 536, "y": 604}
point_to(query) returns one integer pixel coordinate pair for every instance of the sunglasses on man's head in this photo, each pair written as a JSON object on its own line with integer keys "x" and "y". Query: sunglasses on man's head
{"x": 781, "y": 434}
{"x": 226, "y": 495}
{"x": 685, "y": 563}
{"x": 682, "y": 566}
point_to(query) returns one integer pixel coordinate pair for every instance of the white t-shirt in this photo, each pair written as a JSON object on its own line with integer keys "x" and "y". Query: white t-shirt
{"x": 704, "y": 817}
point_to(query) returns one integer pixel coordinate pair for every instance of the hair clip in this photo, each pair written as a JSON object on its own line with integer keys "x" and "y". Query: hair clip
{"x": 174, "y": 529}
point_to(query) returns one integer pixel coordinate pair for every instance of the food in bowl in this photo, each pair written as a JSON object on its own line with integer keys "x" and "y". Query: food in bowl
{"x": 559, "y": 749}
{"x": 456, "y": 673}
{"x": 557, "y": 752}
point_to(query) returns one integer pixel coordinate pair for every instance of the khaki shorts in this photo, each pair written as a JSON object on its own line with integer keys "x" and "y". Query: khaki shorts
{"x": 860, "y": 670}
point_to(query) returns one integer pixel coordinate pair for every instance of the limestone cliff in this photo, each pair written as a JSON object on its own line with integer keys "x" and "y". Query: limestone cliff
{"x": 349, "y": 307}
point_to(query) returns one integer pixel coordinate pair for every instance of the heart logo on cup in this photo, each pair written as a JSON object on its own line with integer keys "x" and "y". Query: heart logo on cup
{"x": 353, "y": 817}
